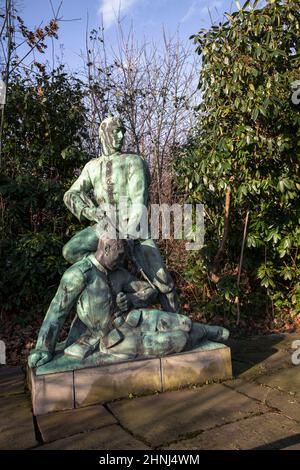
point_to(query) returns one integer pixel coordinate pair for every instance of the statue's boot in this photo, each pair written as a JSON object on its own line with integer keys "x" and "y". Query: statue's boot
{"x": 216, "y": 333}
{"x": 85, "y": 345}
{"x": 200, "y": 332}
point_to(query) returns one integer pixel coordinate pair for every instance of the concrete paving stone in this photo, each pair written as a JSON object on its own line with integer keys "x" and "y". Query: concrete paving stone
{"x": 163, "y": 418}
{"x": 287, "y": 380}
{"x": 195, "y": 367}
{"x": 16, "y": 423}
{"x": 12, "y": 380}
{"x": 266, "y": 343}
{"x": 54, "y": 426}
{"x": 250, "y": 388}
{"x": 14, "y": 410}
{"x": 21, "y": 438}
{"x": 268, "y": 361}
{"x": 292, "y": 447}
{"x": 253, "y": 364}
{"x": 267, "y": 431}
{"x": 287, "y": 340}
{"x": 283, "y": 401}
{"x": 107, "y": 383}
{"x": 238, "y": 368}
{"x": 260, "y": 343}
{"x": 108, "y": 438}
{"x": 247, "y": 371}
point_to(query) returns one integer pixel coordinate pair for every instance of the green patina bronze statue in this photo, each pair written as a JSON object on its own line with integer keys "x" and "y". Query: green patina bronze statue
{"x": 113, "y": 319}
{"x": 109, "y": 180}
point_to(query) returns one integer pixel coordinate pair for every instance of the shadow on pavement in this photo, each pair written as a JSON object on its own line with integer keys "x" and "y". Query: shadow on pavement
{"x": 281, "y": 443}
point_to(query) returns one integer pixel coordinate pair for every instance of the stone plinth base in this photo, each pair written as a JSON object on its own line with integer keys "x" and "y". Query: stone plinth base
{"x": 77, "y": 388}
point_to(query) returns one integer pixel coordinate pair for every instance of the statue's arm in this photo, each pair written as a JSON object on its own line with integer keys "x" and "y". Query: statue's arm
{"x": 76, "y": 198}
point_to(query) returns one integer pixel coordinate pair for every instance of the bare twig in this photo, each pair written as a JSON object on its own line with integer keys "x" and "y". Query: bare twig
{"x": 221, "y": 248}
{"x": 152, "y": 87}
{"x": 237, "y": 299}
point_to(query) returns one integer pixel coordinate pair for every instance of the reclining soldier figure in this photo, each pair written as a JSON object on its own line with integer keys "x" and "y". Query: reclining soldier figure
{"x": 111, "y": 314}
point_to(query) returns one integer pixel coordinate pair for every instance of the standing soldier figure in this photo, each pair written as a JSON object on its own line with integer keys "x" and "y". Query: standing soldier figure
{"x": 109, "y": 180}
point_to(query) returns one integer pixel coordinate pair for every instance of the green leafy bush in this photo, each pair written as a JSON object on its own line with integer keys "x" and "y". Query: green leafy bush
{"x": 45, "y": 131}
{"x": 248, "y": 138}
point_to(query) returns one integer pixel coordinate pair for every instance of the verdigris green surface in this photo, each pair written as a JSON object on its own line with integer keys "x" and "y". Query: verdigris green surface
{"x": 111, "y": 315}
{"x": 113, "y": 320}
{"x": 63, "y": 363}
{"x": 112, "y": 178}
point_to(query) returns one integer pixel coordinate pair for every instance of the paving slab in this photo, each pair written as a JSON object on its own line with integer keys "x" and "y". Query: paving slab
{"x": 287, "y": 340}
{"x": 251, "y": 389}
{"x": 292, "y": 446}
{"x": 108, "y": 438}
{"x": 276, "y": 399}
{"x": 246, "y": 370}
{"x": 54, "y": 426}
{"x": 253, "y": 364}
{"x": 268, "y": 343}
{"x": 267, "y": 431}
{"x": 276, "y": 359}
{"x": 16, "y": 423}
{"x": 287, "y": 380}
{"x": 11, "y": 380}
{"x": 163, "y": 418}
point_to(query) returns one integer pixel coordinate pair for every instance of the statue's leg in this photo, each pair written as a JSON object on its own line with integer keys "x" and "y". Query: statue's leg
{"x": 158, "y": 320}
{"x": 200, "y": 332}
{"x": 148, "y": 343}
{"x": 149, "y": 257}
{"x": 83, "y": 243}
{"x": 163, "y": 343}
{"x": 71, "y": 285}
{"x": 77, "y": 329}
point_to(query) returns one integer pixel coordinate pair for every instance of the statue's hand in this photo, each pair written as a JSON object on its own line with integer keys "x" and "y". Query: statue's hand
{"x": 38, "y": 358}
{"x": 122, "y": 301}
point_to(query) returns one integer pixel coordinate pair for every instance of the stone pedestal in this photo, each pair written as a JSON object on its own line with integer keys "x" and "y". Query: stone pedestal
{"x": 104, "y": 383}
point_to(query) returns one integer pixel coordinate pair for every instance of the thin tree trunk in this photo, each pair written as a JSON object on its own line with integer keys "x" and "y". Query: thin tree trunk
{"x": 220, "y": 253}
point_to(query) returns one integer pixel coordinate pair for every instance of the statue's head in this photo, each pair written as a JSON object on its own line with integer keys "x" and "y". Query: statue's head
{"x": 111, "y": 133}
{"x": 110, "y": 253}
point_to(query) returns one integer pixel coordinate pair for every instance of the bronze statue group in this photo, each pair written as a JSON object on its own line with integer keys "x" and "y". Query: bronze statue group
{"x": 114, "y": 309}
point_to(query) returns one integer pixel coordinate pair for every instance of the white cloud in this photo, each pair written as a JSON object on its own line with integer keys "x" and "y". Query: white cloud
{"x": 110, "y": 9}
{"x": 200, "y": 7}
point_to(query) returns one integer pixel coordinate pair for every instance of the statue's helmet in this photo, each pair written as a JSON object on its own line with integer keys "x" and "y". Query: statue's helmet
{"x": 108, "y": 124}
{"x": 111, "y": 133}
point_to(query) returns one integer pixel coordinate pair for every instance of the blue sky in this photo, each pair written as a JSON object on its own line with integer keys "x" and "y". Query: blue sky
{"x": 147, "y": 16}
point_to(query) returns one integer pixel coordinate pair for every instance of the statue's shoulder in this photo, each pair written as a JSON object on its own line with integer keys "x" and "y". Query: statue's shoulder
{"x": 136, "y": 160}
{"x": 77, "y": 272}
{"x": 85, "y": 264}
{"x": 94, "y": 162}
{"x": 133, "y": 157}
